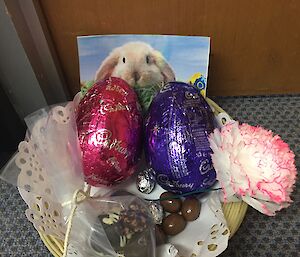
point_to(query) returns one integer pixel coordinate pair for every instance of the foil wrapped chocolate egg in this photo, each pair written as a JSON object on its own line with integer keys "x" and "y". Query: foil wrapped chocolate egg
{"x": 177, "y": 148}
{"x": 156, "y": 211}
{"x": 109, "y": 130}
{"x": 145, "y": 181}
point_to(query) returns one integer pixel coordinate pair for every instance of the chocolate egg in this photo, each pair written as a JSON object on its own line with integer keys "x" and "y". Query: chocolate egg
{"x": 170, "y": 205}
{"x": 177, "y": 147}
{"x": 109, "y": 132}
{"x": 173, "y": 224}
{"x": 145, "y": 181}
{"x": 190, "y": 209}
{"x": 156, "y": 211}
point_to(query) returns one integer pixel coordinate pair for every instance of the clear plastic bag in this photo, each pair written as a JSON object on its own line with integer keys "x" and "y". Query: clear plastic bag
{"x": 47, "y": 169}
{"x": 115, "y": 225}
{"x": 50, "y": 152}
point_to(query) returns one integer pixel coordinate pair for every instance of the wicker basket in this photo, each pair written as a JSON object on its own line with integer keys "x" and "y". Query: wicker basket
{"x": 233, "y": 212}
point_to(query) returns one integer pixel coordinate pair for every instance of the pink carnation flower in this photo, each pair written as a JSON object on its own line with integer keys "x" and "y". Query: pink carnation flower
{"x": 254, "y": 165}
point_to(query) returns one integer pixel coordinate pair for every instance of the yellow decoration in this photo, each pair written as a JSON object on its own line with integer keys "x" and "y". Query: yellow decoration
{"x": 199, "y": 81}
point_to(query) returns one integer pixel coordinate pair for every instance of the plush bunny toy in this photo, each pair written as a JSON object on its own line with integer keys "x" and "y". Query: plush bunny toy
{"x": 138, "y": 64}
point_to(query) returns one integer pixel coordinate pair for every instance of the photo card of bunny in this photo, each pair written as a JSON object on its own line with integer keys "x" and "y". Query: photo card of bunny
{"x": 144, "y": 60}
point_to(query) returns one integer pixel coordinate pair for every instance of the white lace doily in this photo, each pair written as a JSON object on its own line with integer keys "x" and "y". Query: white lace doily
{"x": 33, "y": 183}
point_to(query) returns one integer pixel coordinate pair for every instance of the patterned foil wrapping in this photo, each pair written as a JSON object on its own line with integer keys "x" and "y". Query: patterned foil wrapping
{"x": 109, "y": 129}
{"x": 145, "y": 181}
{"x": 156, "y": 211}
{"x": 177, "y": 146}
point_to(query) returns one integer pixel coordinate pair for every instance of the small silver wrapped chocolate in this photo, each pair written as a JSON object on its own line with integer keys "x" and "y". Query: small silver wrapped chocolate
{"x": 145, "y": 181}
{"x": 156, "y": 211}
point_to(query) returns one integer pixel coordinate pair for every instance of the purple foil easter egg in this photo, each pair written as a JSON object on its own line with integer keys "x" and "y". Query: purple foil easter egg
{"x": 177, "y": 147}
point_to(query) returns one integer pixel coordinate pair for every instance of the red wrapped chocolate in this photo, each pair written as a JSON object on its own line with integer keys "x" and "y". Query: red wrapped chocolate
{"x": 109, "y": 126}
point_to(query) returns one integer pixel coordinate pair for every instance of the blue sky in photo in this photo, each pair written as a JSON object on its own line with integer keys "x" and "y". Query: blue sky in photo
{"x": 186, "y": 55}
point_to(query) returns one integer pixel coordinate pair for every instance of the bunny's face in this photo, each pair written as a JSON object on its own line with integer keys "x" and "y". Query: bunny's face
{"x": 137, "y": 63}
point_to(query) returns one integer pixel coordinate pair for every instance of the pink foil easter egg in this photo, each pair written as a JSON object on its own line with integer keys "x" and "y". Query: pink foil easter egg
{"x": 109, "y": 126}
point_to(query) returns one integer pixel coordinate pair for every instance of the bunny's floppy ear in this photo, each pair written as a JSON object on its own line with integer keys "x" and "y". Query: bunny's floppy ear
{"x": 106, "y": 68}
{"x": 164, "y": 67}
